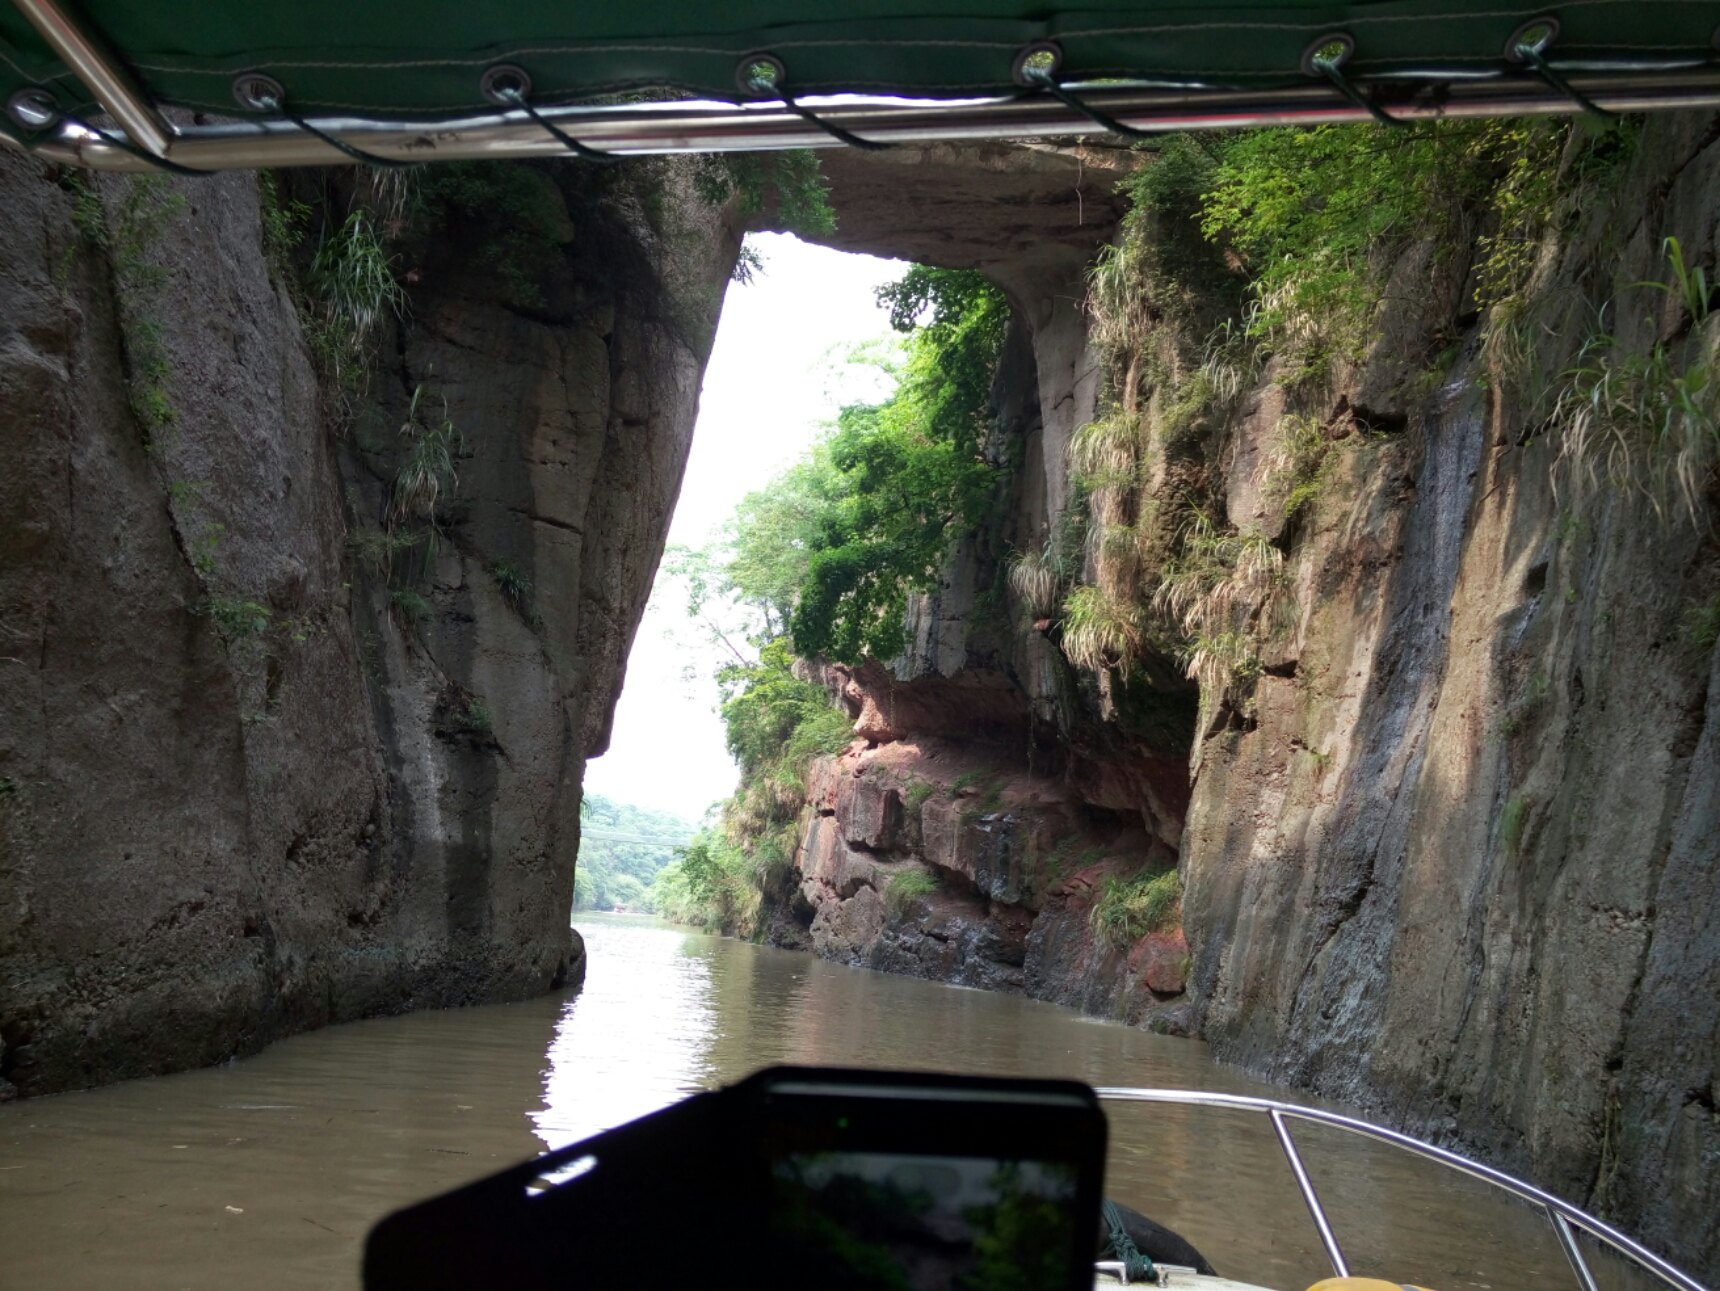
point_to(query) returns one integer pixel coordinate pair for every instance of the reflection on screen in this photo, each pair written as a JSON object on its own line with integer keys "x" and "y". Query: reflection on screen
{"x": 919, "y": 1223}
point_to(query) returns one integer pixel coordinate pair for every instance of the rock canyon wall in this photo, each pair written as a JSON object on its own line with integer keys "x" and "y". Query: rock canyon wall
{"x": 1452, "y": 856}
{"x": 278, "y": 745}
{"x": 264, "y": 765}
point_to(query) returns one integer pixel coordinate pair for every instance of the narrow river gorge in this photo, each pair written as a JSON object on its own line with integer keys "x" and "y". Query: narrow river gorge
{"x": 270, "y": 1170}
{"x": 1276, "y": 610}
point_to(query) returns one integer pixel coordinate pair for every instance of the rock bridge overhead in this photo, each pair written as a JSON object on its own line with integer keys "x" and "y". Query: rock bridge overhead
{"x": 1031, "y": 217}
{"x": 1028, "y": 216}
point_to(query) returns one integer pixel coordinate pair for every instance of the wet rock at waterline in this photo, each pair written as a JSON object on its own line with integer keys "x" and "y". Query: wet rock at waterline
{"x": 922, "y": 857}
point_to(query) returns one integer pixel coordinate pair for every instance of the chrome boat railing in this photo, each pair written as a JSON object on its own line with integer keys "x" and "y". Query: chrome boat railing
{"x": 1564, "y": 1217}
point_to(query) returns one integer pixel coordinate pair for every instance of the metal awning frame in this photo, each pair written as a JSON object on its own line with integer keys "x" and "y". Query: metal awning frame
{"x": 141, "y": 137}
{"x": 695, "y": 126}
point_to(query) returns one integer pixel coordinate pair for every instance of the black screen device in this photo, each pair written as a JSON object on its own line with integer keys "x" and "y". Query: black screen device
{"x": 835, "y": 1178}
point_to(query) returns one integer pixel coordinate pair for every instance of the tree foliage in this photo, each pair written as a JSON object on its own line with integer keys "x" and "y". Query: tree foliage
{"x": 616, "y": 871}
{"x": 821, "y": 563}
{"x": 1314, "y": 213}
{"x": 828, "y": 553}
{"x": 768, "y": 712}
{"x": 897, "y": 481}
{"x": 789, "y": 183}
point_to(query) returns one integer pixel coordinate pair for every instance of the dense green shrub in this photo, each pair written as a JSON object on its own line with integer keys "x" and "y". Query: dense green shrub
{"x": 769, "y": 713}
{"x": 789, "y": 184}
{"x": 908, "y": 887}
{"x": 898, "y": 481}
{"x": 514, "y": 215}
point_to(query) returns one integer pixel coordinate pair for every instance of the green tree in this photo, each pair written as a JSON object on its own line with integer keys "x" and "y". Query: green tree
{"x": 616, "y": 870}
{"x": 904, "y": 477}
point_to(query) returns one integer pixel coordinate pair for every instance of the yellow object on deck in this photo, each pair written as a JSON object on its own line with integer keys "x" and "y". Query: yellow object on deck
{"x": 1362, "y": 1284}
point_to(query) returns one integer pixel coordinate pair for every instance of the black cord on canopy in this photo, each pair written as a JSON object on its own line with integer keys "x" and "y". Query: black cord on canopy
{"x": 1042, "y": 78}
{"x": 769, "y": 87}
{"x": 269, "y": 103}
{"x": 142, "y": 154}
{"x": 578, "y": 149}
{"x": 1333, "y": 73}
{"x": 1532, "y": 55}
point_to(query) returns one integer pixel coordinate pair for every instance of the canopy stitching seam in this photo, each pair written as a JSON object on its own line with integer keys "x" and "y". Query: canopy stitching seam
{"x": 1394, "y": 60}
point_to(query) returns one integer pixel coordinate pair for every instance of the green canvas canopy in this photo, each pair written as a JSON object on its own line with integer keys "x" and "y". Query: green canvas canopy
{"x": 366, "y": 62}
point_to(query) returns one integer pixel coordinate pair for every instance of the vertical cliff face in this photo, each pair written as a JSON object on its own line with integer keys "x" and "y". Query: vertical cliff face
{"x": 1448, "y": 865}
{"x": 249, "y": 782}
{"x": 1448, "y": 854}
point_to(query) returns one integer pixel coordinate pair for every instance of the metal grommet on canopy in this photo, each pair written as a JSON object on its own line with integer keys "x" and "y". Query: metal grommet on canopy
{"x": 1035, "y": 62}
{"x": 1532, "y": 38}
{"x": 33, "y": 108}
{"x": 762, "y": 75}
{"x": 505, "y": 83}
{"x": 1529, "y": 44}
{"x": 1333, "y": 49}
{"x": 765, "y": 76}
{"x": 256, "y": 92}
{"x": 1325, "y": 57}
{"x": 508, "y": 86}
{"x": 1037, "y": 68}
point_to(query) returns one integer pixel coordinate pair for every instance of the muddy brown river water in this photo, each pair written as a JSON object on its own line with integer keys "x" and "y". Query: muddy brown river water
{"x": 268, "y": 1172}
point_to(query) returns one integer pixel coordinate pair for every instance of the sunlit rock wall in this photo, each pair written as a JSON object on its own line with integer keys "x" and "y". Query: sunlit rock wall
{"x": 1451, "y": 866}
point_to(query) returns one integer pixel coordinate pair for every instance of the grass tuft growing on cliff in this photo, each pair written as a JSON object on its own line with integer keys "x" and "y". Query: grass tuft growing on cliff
{"x": 1512, "y": 822}
{"x": 906, "y": 888}
{"x": 1295, "y": 474}
{"x": 354, "y": 290}
{"x": 516, "y": 590}
{"x": 1226, "y": 593}
{"x": 1101, "y": 631}
{"x": 236, "y": 618}
{"x": 916, "y": 794}
{"x": 414, "y": 610}
{"x": 1036, "y": 579}
{"x": 1646, "y": 421}
{"x": 285, "y": 221}
{"x": 432, "y": 445}
{"x": 127, "y": 228}
{"x": 1700, "y": 626}
{"x": 1129, "y": 909}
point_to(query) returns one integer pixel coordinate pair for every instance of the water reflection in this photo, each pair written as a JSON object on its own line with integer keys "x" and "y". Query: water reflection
{"x": 637, "y": 1036}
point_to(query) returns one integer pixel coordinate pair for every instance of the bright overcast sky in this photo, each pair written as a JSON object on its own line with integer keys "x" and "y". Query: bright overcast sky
{"x": 775, "y": 377}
